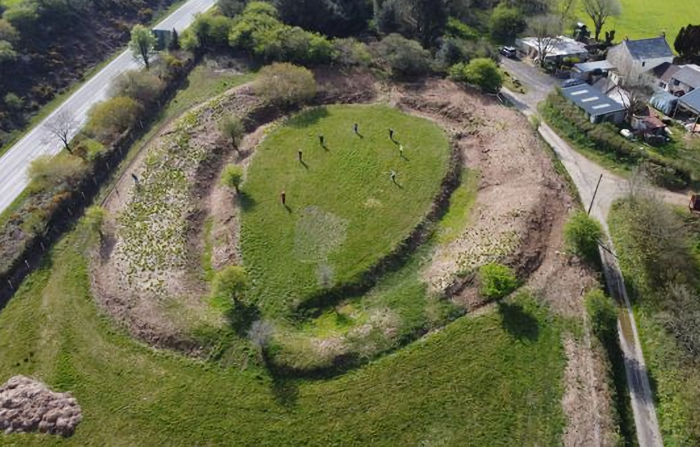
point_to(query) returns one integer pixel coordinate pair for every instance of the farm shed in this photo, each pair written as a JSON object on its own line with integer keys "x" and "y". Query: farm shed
{"x": 597, "y": 106}
{"x": 585, "y": 70}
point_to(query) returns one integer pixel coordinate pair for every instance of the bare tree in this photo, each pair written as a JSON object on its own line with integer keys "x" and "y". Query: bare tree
{"x": 62, "y": 126}
{"x": 546, "y": 30}
{"x": 599, "y": 11}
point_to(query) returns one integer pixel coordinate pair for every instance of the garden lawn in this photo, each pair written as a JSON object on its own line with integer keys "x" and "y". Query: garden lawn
{"x": 492, "y": 379}
{"x": 649, "y": 18}
{"x": 343, "y": 211}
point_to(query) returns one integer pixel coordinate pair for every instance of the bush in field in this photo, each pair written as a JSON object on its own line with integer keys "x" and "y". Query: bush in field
{"x": 351, "y": 52}
{"x": 230, "y": 283}
{"x": 50, "y": 171}
{"x": 112, "y": 117}
{"x": 603, "y": 313}
{"x": 211, "y": 31}
{"x": 682, "y": 316}
{"x": 496, "y": 281}
{"x": 582, "y": 233}
{"x": 144, "y": 87}
{"x": 405, "y": 58}
{"x": 481, "y": 72}
{"x": 232, "y": 129}
{"x": 455, "y": 28}
{"x": 94, "y": 219}
{"x": 452, "y": 51}
{"x": 285, "y": 84}
{"x": 232, "y": 176}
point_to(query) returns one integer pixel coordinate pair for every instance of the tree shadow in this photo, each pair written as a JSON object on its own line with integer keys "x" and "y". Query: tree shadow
{"x": 519, "y": 323}
{"x": 245, "y": 201}
{"x": 285, "y": 391}
{"x": 303, "y": 163}
{"x": 308, "y": 117}
{"x": 241, "y": 316}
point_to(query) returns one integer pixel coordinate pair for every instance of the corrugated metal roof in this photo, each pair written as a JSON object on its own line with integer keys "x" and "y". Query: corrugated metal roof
{"x": 593, "y": 65}
{"x": 591, "y": 100}
{"x": 648, "y": 48}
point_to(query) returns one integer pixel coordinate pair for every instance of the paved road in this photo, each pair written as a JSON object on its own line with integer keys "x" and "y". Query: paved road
{"x": 39, "y": 141}
{"x": 585, "y": 175}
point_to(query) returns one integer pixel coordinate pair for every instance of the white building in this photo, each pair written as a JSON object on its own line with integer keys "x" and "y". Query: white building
{"x": 556, "y": 48}
{"x": 635, "y": 59}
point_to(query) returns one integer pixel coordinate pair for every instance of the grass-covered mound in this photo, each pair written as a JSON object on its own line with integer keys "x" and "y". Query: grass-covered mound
{"x": 343, "y": 211}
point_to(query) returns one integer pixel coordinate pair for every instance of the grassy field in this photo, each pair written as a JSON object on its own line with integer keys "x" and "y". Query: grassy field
{"x": 493, "y": 379}
{"x": 343, "y": 211}
{"x": 649, "y": 18}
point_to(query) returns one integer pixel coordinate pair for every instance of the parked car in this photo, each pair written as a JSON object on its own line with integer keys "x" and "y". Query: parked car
{"x": 509, "y": 52}
{"x": 571, "y": 82}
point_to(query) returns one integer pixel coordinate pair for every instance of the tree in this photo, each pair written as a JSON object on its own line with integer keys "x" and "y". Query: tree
{"x": 430, "y": 17}
{"x": 62, "y": 126}
{"x": 687, "y": 43}
{"x": 330, "y": 17}
{"x": 145, "y": 87}
{"x": 7, "y": 52}
{"x": 350, "y": 52}
{"x": 406, "y": 58}
{"x": 599, "y": 11}
{"x": 113, "y": 116}
{"x": 232, "y": 176}
{"x": 285, "y": 84}
{"x": 142, "y": 44}
{"x": 230, "y": 283}
{"x": 230, "y": 8}
{"x": 582, "y": 234}
{"x": 506, "y": 23}
{"x": 545, "y": 29}
{"x": 174, "y": 41}
{"x": 482, "y": 72}
{"x": 50, "y": 171}
{"x": 232, "y": 128}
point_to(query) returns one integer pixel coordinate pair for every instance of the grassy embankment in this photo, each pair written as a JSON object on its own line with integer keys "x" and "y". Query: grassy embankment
{"x": 667, "y": 324}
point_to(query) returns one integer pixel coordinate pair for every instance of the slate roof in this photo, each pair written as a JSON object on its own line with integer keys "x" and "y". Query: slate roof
{"x": 665, "y": 71}
{"x": 691, "y": 100}
{"x": 689, "y": 76}
{"x": 648, "y": 48}
{"x": 591, "y": 100}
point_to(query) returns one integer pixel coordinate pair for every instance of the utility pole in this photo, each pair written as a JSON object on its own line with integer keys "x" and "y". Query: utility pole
{"x": 594, "y": 194}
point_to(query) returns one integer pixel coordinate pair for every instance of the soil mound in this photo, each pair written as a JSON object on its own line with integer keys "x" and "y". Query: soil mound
{"x": 28, "y": 405}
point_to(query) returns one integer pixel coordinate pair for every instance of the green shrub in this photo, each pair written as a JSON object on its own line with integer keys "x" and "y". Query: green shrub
{"x": 481, "y": 72}
{"x": 455, "y": 28}
{"x": 232, "y": 129}
{"x": 582, "y": 234}
{"x": 142, "y": 86}
{"x": 496, "y": 281}
{"x": 232, "y": 176}
{"x": 51, "y": 171}
{"x": 229, "y": 283}
{"x": 350, "y": 52}
{"x": 112, "y": 117}
{"x": 603, "y": 314}
{"x": 404, "y": 57}
{"x": 285, "y": 84}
